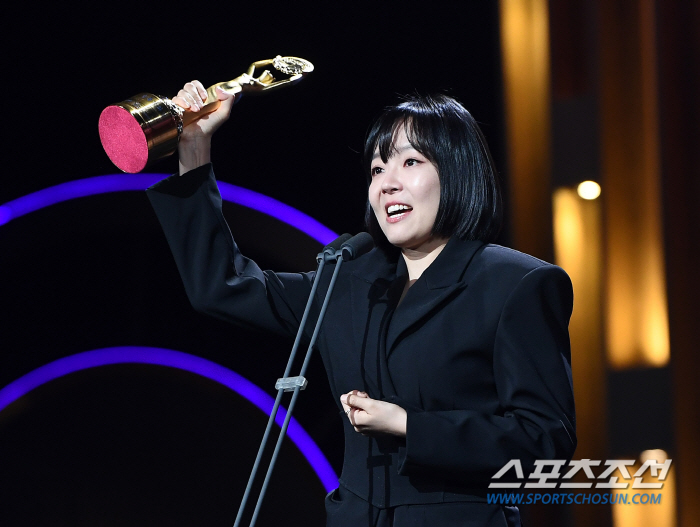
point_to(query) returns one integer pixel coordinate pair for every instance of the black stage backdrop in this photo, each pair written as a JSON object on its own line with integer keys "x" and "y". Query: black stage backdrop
{"x": 148, "y": 445}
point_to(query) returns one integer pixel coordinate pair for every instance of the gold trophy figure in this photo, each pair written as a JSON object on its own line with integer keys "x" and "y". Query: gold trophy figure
{"x": 145, "y": 128}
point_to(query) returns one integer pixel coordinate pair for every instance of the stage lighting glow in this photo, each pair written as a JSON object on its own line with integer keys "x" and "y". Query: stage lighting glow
{"x": 125, "y": 182}
{"x": 656, "y": 454}
{"x": 182, "y": 361}
{"x": 588, "y": 190}
{"x": 157, "y": 356}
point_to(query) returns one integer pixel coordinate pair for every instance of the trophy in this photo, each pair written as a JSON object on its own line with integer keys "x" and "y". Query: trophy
{"x": 145, "y": 128}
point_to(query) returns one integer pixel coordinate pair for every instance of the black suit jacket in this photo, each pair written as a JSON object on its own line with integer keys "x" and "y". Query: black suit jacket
{"x": 477, "y": 352}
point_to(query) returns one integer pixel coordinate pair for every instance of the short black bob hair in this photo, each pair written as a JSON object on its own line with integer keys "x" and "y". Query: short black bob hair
{"x": 442, "y": 130}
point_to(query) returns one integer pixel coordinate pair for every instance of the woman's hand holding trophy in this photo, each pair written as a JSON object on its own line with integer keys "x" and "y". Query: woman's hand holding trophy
{"x": 147, "y": 127}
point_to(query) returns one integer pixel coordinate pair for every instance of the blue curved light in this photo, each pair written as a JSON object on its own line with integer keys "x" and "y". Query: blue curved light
{"x": 124, "y": 182}
{"x": 182, "y": 361}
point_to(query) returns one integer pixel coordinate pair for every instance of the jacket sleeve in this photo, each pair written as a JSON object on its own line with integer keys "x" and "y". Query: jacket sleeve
{"x": 218, "y": 279}
{"x": 532, "y": 372}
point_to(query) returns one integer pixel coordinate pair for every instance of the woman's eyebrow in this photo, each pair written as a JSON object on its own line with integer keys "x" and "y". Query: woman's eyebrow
{"x": 397, "y": 150}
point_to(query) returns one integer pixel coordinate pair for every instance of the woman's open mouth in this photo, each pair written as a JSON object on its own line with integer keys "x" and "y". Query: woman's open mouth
{"x": 397, "y": 211}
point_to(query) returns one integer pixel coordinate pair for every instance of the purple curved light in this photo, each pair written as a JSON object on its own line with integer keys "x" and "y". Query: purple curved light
{"x": 124, "y": 182}
{"x": 158, "y": 356}
{"x": 182, "y": 361}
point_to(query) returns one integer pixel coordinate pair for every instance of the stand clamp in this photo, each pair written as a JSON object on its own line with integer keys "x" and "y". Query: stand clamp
{"x": 288, "y": 384}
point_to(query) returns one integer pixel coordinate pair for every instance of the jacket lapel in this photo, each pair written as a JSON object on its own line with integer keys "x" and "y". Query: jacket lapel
{"x": 372, "y": 298}
{"x": 377, "y": 285}
{"x": 439, "y": 282}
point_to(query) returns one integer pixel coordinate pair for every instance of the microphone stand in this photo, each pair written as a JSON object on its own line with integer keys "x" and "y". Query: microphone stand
{"x": 330, "y": 254}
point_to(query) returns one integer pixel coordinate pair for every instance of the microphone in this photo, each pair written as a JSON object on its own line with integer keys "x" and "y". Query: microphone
{"x": 342, "y": 249}
{"x": 356, "y": 246}
{"x": 328, "y": 252}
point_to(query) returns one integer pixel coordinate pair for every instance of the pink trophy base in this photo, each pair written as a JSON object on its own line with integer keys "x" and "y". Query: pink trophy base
{"x": 123, "y": 139}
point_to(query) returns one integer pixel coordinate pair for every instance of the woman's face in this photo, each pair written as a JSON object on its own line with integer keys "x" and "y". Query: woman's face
{"x": 405, "y": 195}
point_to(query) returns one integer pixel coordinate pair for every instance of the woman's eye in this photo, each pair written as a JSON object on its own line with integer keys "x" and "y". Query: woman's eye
{"x": 412, "y": 162}
{"x": 375, "y": 170}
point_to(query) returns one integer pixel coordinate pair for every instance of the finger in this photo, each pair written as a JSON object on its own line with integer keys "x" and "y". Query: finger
{"x": 346, "y": 407}
{"x": 356, "y": 418}
{"x": 351, "y": 416}
{"x": 344, "y": 398}
{"x": 348, "y": 397}
{"x": 189, "y": 99}
{"x": 227, "y": 100}
{"x": 359, "y": 419}
{"x": 194, "y": 106}
{"x": 223, "y": 95}
{"x": 359, "y": 402}
{"x": 201, "y": 90}
{"x": 193, "y": 94}
{"x": 181, "y": 102}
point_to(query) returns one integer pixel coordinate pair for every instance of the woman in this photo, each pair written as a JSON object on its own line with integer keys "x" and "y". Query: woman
{"x": 448, "y": 355}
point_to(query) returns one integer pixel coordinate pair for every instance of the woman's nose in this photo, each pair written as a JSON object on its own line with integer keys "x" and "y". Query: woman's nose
{"x": 390, "y": 182}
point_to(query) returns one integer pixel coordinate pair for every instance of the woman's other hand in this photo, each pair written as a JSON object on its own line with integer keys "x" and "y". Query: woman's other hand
{"x": 370, "y": 416}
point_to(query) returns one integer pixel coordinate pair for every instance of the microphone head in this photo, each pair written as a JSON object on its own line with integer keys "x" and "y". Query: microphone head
{"x": 327, "y": 255}
{"x": 356, "y": 246}
{"x": 337, "y": 243}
